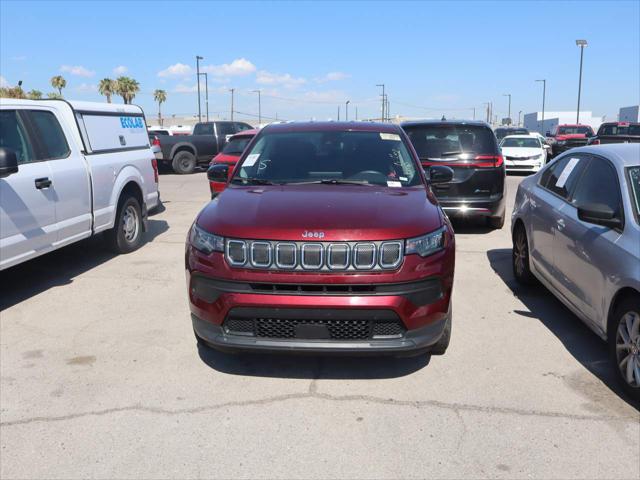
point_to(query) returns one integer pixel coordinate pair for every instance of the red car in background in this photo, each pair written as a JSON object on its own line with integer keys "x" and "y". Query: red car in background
{"x": 565, "y": 137}
{"x": 229, "y": 156}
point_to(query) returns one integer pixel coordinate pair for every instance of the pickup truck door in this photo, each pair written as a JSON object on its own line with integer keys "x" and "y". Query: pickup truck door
{"x": 69, "y": 175}
{"x": 205, "y": 141}
{"x": 27, "y": 202}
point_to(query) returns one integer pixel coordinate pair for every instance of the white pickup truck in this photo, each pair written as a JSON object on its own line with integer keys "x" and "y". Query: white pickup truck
{"x": 70, "y": 170}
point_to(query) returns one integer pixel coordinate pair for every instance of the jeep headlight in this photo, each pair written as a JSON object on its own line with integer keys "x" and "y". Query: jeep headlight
{"x": 204, "y": 241}
{"x": 428, "y": 244}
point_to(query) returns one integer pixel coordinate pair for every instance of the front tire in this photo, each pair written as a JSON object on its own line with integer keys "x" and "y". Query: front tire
{"x": 126, "y": 234}
{"x": 520, "y": 257}
{"x": 624, "y": 344}
{"x": 184, "y": 163}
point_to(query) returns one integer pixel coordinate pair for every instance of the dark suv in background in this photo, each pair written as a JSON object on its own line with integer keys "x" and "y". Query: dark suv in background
{"x": 470, "y": 148}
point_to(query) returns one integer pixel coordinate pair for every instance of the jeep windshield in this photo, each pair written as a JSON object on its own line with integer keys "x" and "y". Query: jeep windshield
{"x": 329, "y": 158}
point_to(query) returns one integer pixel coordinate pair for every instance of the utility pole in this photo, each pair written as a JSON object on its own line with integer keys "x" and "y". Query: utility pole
{"x": 338, "y": 112}
{"x": 519, "y": 114}
{"x": 198, "y": 58}
{"x": 382, "y": 116}
{"x": 356, "y": 114}
{"x": 232, "y": 90}
{"x": 509, "y": 114}
{"x": 346, "y": 110}
{"x": 544, "y": 93}
{"x": 486, "y": 111}
{"x": 206, "y": 90}
{"x": 474, "y": 112}
{"x": 259, "y": 106}
{"x": 581, "y": 44}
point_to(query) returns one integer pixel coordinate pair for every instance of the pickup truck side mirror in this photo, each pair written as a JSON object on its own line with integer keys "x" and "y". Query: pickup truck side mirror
{"x": 599, "y": 214}
{"x": 8, "y": 162}
{"x": 548, "y": 134}
{"x": 440, "y": 174}
{"x": 218, "y": 173}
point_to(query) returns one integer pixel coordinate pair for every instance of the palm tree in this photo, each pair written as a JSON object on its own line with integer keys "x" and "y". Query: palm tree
{"x": 58, "y": 82}
{"x": 127, "y": 88}
{"x": 34, "y": 95}
{"x": 107, "y": 87}
{"x": 160, "y": 96}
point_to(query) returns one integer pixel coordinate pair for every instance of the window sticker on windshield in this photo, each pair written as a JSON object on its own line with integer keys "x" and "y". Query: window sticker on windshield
{"x": 390, "y": 136}
{"x": 562, "y": 179}
{"x": 251, "y": 160}
{"x": 394, "y": 184}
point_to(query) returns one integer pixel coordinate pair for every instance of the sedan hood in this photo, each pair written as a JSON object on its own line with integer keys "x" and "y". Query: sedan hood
{"x": 327, "y": 212}
{"x": 521, "y": 152}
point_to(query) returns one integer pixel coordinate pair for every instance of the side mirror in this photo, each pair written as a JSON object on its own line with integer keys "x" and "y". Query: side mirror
{"x": 599, "y": 214}
{"x": 548, "y": 134}
{"x": 440, "y": 174}
{"x": 8, "y": 162}
{"x": 546, "y": 146}
{"x": 228, "y": 137}
{"x": 218, "y": 173}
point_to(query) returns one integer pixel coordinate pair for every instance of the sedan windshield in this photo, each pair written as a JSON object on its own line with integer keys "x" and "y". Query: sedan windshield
{"x": 329, "y": 157}
{"x": 521, "y": 142}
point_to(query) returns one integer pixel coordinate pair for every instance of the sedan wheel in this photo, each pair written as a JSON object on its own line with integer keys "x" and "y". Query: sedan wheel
{"x": 520, "y": 257}
{"x": 628, "y": 348}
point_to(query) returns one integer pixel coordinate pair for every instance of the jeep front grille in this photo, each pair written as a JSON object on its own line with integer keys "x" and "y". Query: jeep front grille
{"x": 314, "y": 256}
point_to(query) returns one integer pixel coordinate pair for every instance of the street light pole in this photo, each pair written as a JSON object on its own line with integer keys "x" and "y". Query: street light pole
{"x": 581, "y": 44}
{"x": 519, "y": 116}
{"x": 508, "y": 114}
{"x": 338, "y": 112}
{"x": 383, "y": 99}
{"x": 346, "y": 110}
{"x": 198, "y": 58}
{"x": 232, "y": 90}
{"x": 259, "y": 105}
{"x": 206, "y": 92}
{"x": 544, "y": 94}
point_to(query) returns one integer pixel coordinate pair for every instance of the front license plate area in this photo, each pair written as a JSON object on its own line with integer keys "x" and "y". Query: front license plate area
{"x": 312, "y": 331}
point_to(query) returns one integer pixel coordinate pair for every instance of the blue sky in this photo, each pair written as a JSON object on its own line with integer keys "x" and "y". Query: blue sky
{"x": 308, "y": 58}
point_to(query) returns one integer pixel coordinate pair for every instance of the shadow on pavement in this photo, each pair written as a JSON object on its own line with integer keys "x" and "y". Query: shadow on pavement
{"x": 60, "y": 267}
{"x": 312, "y": 366}
{"x": 577, "y": 338}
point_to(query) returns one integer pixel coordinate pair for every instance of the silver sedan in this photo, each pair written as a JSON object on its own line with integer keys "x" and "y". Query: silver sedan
{"x": 576, "y": 229}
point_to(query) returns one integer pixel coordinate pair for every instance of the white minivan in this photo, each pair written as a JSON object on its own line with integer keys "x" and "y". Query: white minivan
{"x": 70, "y": 170}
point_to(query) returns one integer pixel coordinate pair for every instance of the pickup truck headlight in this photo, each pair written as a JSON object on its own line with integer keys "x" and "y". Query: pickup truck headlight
{"x": 204, "y": 241}
{"x": 428, "y": 244}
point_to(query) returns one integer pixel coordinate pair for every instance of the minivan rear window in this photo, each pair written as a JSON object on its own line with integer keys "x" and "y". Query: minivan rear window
{"x": 438, "y": 141}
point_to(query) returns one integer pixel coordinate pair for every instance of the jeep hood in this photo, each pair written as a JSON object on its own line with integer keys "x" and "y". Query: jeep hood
{"x": 338, "y": 212}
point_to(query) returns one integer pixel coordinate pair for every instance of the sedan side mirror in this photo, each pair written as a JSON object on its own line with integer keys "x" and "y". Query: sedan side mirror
{"x": 8, "y": 162}
{"x": 218, "y": 173}
{"x": 440, "y": 174}
{"x": 599, "y": 214}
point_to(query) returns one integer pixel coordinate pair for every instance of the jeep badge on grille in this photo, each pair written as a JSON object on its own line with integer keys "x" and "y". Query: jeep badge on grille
{"x": 308, "y": 234}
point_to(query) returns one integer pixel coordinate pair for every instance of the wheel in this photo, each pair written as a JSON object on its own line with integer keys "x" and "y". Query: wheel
{"x": 624, "y": 344}
{"x": 126, "y": 234}
{"x": 441, "y": 345}
{"x": 184, "y": 162}
{"x": 496, "y": 222}
{"x": 520, "y": 257}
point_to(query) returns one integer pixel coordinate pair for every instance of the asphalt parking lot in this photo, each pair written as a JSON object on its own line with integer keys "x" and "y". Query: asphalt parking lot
{"x": 101, "y": 378}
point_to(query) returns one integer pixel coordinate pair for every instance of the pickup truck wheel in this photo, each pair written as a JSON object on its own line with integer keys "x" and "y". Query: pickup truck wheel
{"x": 126, "y": 234}
{"x": 184, "y": 163}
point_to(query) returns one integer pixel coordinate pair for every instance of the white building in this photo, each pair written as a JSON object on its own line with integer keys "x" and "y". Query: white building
{"x": 629, "y": 114}
{"x": 533, "y": 121}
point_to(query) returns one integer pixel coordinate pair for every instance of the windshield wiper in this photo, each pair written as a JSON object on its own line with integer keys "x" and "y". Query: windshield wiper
{"x": 332, "y": 181}
{"x": 253, "y": 181}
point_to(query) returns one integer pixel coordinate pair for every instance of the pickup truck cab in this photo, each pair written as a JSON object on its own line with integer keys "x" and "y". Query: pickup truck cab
{"x": 617, "y": 132}
{"x": 565, "y": 137}
{"x": 70, "y": 170}
{"x": 184, "y": 152}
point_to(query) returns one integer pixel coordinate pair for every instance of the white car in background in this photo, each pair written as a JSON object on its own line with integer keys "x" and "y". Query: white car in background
{"x": 523, "y": 153}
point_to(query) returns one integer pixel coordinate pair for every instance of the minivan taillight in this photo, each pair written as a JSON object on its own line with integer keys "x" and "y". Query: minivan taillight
{"x": 154, "y": 164}
{"x": 488, "y": 161}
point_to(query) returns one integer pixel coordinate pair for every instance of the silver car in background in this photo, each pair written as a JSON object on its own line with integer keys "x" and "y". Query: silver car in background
{"x": 576, "y": 229}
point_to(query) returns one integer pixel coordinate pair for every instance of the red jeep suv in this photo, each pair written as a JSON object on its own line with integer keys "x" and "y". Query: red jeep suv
{"x": 327, "y": 239}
